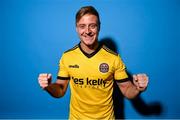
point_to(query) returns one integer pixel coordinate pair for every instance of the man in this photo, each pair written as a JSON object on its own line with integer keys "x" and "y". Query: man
{"x": 91, "y": 68}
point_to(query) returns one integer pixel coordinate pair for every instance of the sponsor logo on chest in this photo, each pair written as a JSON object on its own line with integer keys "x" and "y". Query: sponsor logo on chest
{"x": 88, "y": 81}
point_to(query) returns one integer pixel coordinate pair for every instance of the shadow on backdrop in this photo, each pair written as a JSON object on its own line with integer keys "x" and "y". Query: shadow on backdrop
{"x": 138, "y": 103}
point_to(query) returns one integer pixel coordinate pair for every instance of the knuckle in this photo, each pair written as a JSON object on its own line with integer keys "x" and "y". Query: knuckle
{"x": 139, "y": 74}
{"x": 43, "y": 74}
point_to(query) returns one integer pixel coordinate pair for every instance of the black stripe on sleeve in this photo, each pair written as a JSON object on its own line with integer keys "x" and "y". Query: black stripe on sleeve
{"x": 122, "y": 80}
{"x": 63, "y": 78}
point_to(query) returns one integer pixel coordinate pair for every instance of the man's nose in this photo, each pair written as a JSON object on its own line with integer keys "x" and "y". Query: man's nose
{"x": 87, "y": 30}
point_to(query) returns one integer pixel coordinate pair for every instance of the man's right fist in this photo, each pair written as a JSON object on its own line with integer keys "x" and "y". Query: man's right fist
{"x": 44, "y": 79}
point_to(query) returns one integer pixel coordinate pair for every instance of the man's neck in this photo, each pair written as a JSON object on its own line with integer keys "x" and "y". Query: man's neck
{"x": 89, "y": 49}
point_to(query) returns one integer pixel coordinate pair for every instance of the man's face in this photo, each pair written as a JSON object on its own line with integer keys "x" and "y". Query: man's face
{"x": 88, "y": 29}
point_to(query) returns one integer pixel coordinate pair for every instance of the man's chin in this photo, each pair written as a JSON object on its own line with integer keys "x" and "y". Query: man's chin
{"x": 88, "y": 43}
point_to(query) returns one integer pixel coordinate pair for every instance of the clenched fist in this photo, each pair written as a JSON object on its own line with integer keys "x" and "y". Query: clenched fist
{"x": 44, "y": 79}
{"x": 140, "y": 81}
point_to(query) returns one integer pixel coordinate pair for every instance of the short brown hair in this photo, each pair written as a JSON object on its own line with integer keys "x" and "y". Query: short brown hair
{"x": 87, "y": 10}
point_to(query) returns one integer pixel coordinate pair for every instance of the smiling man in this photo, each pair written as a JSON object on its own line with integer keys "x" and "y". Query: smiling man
{"x": 91, "y": 68}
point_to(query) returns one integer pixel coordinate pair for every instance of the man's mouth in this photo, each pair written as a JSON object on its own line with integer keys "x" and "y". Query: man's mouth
{"x": 88, "y": 37}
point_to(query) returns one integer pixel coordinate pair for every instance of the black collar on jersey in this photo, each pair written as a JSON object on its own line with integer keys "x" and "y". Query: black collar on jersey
{"x": 93, "y": 53}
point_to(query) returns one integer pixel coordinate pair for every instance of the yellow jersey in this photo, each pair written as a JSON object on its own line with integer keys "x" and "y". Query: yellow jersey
{"x": 91, "y": 81}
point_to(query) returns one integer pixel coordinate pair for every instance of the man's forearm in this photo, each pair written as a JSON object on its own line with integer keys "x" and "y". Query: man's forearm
{"x": 131, "y": 92}
{"x": 55, "y": 90}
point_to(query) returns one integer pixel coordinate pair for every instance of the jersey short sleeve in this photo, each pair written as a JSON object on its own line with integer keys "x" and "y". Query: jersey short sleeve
{"x": 63, "y": 71}
{"x": 120, "y": 69}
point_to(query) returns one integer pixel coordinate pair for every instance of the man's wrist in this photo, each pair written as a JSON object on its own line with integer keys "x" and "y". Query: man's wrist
{"x": 54, "y": 90}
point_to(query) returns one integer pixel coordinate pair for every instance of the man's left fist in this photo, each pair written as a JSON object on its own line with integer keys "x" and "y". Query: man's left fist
{"x": 141, "y": 81}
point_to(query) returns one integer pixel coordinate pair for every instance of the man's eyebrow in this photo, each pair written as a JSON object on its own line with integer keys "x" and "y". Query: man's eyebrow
{"x": 87, "y": 24}
{"x": 82, "y": 24}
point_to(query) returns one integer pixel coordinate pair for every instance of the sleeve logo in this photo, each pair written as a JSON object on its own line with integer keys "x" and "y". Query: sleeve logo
{"x": 103, "y": 67}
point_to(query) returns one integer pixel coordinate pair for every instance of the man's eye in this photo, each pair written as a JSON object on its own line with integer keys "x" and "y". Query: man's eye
{"x": 82, "y": 26}
{"x": 93, "y": 26}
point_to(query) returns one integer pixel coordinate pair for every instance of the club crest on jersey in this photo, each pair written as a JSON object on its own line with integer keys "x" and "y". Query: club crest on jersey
{"x": 103, "y": 67}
